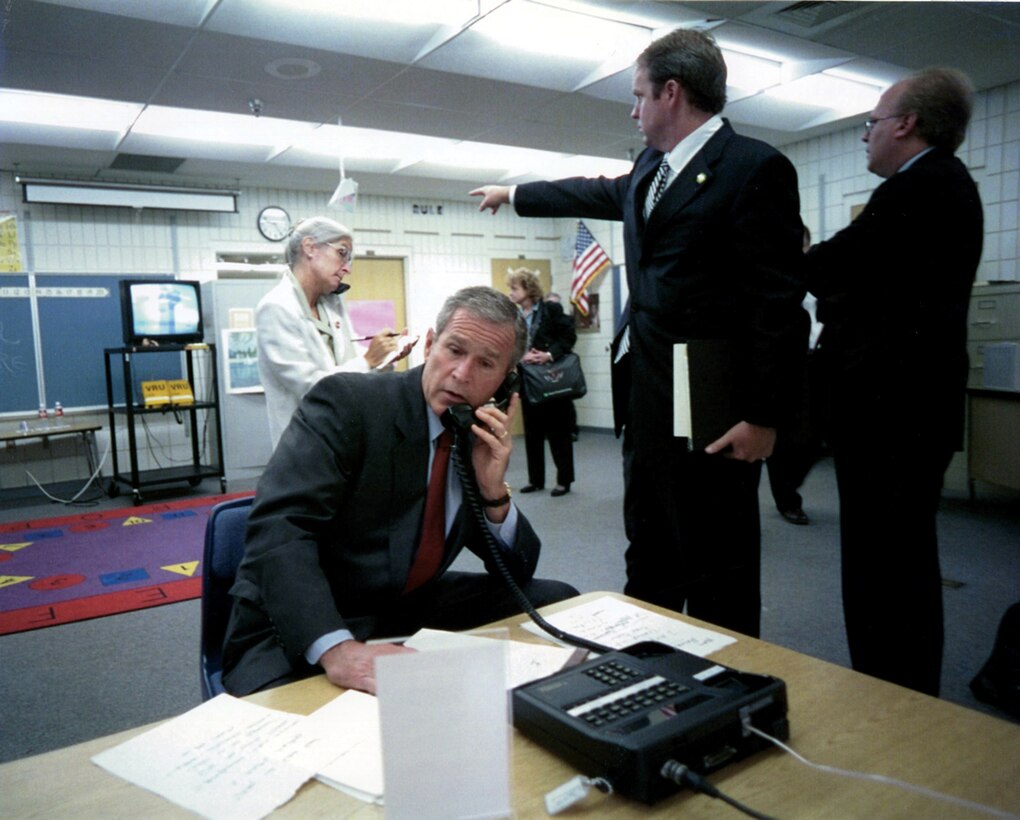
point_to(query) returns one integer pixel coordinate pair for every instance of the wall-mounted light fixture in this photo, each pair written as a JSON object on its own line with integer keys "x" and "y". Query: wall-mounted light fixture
{"x": 126, "y": 195}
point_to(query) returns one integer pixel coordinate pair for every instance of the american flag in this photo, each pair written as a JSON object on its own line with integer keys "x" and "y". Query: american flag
{"x": 589, "y": 261}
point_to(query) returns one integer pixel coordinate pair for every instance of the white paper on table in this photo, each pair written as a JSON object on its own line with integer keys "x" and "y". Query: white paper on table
{"x": 351, "y": 721}
{"x": 227, "y": 758}
{"x": 445, "y": 733}
{"x": 619, "y": 624}
{"x": 525, "y": 662}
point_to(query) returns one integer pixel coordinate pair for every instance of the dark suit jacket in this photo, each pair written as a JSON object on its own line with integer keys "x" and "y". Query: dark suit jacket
{"x": 555, "y": 332}
{"x": 720, "y": 258}
{"x": 334, "y": 527}
{"x": 899, "y": 279}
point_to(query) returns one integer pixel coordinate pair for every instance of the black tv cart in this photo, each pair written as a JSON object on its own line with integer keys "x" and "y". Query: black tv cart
{"x": 206, "y": 460}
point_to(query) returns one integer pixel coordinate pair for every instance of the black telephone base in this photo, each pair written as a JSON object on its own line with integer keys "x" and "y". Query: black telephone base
{"x": 626, "y": 713}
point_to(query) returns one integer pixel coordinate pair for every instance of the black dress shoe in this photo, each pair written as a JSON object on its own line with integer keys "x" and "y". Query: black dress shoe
{"x": 531, "y": 488}
{"x": 795, "y": 516}
{"x": 558, "y": 491}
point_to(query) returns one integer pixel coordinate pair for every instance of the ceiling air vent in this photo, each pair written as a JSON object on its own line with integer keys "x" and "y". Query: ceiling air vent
{"x": 813, "y": 14}
{"x": 143, "y": 162}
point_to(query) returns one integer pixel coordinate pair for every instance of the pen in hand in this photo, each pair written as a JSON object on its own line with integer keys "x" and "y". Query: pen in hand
{"x": 369, "y": 338}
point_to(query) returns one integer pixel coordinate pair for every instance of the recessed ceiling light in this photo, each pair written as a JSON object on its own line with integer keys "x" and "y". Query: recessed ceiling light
{"x": 293, "y": 68}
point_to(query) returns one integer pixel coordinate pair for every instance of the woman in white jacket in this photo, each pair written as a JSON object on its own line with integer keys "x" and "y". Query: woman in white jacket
{"x": 303, "y": 329}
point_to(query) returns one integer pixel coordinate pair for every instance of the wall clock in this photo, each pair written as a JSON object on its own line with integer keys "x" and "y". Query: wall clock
{"x": 274, "y": 223}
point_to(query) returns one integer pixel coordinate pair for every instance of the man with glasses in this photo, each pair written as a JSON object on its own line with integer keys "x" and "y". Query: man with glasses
{"x": 303, "y": 329}
{"x": 896, "y": 284}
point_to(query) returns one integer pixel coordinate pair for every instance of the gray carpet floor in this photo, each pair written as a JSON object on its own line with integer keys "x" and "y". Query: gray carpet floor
{"x": 70, "y": 683}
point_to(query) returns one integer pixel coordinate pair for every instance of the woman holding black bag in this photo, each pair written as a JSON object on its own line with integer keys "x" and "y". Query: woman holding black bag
{"x": 551, "y": 336}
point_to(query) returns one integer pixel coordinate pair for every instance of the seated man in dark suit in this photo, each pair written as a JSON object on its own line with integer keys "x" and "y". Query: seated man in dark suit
{"x": 344, "y": 543}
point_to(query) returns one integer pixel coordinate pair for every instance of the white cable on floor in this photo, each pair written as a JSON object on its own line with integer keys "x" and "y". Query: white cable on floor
{"x": 79, "y": 494}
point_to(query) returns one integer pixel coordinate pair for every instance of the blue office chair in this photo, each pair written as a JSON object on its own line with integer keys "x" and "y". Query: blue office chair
{"x": 224, "y": 548}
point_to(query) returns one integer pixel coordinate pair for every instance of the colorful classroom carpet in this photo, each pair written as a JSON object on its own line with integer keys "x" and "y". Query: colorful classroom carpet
{"x": 60, "y": 570}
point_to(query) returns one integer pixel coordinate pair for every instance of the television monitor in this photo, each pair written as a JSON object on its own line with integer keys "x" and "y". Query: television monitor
{"x": 165, "y": 311}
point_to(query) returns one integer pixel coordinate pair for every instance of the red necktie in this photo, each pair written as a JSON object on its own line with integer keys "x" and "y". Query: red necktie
{"x": 433, "y": 529}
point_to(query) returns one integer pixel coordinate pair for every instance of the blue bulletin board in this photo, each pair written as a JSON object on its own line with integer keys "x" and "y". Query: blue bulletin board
{"x": 78, "y": 317}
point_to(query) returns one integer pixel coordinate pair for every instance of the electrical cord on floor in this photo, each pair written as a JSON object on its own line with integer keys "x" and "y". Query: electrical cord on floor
{"x": 74, "y": 499}
{"x": 881, "y": 778}
{"x": 681, "y": 775}
{"x": 469, "y": 485}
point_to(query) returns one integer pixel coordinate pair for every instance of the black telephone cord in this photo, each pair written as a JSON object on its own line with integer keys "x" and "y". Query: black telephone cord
{"x": 465, "y": 471}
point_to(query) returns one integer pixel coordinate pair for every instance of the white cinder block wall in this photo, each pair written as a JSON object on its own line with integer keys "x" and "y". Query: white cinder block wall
{"x": 447, "y": 250}
{"x": 834, "y": 177}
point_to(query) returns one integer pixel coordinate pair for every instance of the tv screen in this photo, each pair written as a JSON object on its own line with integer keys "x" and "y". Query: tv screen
{"x": 166, "y": 311}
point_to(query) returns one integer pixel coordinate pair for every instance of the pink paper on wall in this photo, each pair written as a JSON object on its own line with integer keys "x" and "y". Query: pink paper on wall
{"x": 369, "y": 316}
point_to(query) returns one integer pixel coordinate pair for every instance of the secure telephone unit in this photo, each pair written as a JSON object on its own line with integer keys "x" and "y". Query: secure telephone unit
{"x": 625, "y": 714}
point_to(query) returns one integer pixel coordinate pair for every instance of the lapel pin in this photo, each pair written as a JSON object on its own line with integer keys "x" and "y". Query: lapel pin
{"x": 700, "y": 178}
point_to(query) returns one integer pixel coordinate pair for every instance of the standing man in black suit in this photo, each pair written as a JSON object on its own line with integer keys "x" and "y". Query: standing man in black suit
{"x": 896, "y": 283}
{"x": 336, "y": 549}
{"x": 712, "y": 234}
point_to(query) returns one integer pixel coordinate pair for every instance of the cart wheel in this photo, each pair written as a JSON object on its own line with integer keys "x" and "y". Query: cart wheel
{"x": 223, "y": 485}
{"x": 194, "y": 482}
{"x": 138, "y": 497}
{"x": 112, "y": 490}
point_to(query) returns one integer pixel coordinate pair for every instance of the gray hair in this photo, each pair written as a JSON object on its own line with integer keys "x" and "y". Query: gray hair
{"x": 489, "y": 305}
{"x": 942, "y": 100}
{"x": 692, "y": 58}
{"x": 321, "y": 229}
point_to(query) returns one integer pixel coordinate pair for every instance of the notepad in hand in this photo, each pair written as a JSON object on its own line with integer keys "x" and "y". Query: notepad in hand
{"x": 703, "y": 389}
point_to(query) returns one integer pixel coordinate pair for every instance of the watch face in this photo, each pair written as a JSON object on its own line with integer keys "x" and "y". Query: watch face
{"x": 274, "y": 223}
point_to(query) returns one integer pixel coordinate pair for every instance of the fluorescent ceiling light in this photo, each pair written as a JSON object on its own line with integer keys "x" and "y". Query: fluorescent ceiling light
{"x": 826, "y": 91}
{"x": 213, "y": 126}
{"x": 71, "y": 192}
{"x": 530, "y": 27}
{"x": 368, "y": 143}
{"x": 749, "y": 72}
{"x": 581, "y": 166}
{"x": 407, "y": 12}
{"x": 35, "y": 108}
{"x": 515, "y": 160}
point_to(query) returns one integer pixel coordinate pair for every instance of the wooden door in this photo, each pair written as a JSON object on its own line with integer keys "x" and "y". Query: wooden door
{"x": 380, "y": 280}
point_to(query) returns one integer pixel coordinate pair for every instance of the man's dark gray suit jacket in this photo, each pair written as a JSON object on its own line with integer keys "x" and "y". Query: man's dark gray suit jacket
{"x": 335, "y": 524}
{"x": 720, "y": 258}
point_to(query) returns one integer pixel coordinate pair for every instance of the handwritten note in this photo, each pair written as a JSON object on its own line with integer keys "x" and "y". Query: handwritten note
{"x": 618, "y": 624}
{"x": 224, "y": 759}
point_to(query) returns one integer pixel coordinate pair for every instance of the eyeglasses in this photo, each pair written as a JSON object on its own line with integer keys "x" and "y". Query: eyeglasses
{"x": 869, "y": 124}
{"x": 346, "y": 254}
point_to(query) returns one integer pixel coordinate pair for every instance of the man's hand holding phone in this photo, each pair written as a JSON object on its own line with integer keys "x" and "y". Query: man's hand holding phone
{"x": 491, "y": 454}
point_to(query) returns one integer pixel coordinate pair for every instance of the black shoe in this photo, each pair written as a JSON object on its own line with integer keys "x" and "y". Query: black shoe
{"x": 558, "y": 491}
{"x": 795, "y": 516}
{"x": 531, "y": 488}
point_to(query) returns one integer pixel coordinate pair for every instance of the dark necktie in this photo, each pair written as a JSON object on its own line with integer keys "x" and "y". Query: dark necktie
{"x": 658, "y": 186}
{"x": 433, "y": 529}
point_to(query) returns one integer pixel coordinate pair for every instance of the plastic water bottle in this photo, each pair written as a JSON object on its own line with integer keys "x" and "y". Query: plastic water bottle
{"x": 58, "y": 409}
{"x": 43, "y": 414}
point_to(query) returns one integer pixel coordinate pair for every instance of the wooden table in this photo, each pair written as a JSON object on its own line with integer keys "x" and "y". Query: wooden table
{"x": 837, "y": 717}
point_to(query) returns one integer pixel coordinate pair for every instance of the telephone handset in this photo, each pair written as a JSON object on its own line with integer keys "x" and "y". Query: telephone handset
{"x": 458, "y": 418}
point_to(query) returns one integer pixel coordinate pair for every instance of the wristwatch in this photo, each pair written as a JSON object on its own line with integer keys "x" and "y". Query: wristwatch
{"x": 499, "y": 502}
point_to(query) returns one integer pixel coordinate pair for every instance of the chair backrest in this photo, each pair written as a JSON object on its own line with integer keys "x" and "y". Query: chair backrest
{"x": 224, "y": 549}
